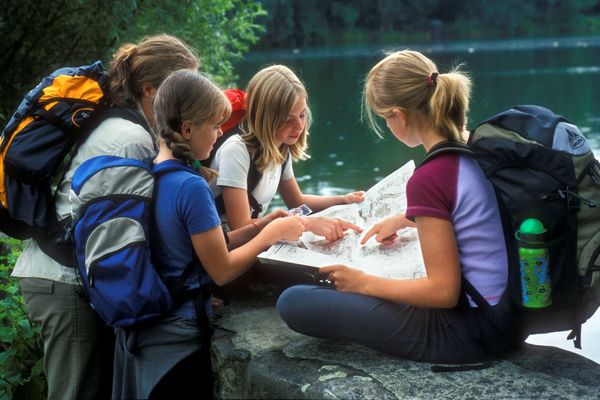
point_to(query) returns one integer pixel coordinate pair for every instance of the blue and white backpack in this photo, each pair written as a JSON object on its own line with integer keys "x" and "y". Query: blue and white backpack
{"x": 111, "y": 201}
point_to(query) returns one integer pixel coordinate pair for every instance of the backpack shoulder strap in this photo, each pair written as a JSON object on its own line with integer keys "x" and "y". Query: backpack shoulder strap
{"x": 103, "y": 113}
{"x": 236, "y": 130}
{"x": 164, "y": 168}
{"x": 254, "y": 176}
{"x": 127, "y": 113}
{"x": 447, "y": 147}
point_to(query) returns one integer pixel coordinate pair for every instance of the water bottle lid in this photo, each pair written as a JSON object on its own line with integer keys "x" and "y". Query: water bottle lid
{"x": 531, "y": 229}
{"x": 532, "y": 226}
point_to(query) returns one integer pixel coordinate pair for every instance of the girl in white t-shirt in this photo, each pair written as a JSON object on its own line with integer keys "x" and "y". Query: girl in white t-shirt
{"x": 275, "y": 130}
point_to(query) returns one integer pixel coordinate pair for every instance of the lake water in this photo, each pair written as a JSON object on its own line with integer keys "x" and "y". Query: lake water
{"x": 560, "y": 74}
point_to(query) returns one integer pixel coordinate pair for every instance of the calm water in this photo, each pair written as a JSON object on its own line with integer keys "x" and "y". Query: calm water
{"x": 561, "y": 74}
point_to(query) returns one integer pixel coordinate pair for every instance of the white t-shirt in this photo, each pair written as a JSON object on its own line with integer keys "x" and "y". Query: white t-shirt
{"x": 232, "y": 162}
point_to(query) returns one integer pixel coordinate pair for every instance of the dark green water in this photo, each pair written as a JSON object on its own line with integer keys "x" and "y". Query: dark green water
{"x": 561, "y": 75}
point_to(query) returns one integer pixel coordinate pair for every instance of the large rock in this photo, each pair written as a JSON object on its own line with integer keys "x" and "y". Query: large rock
{"x": 257, "y": 356}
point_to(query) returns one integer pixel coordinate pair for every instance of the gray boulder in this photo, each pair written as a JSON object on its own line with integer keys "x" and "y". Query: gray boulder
{"x": 255, "y": 355}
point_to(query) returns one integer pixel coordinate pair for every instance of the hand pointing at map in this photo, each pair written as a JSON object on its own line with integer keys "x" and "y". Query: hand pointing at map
{"x": 331, "y": 228}
{"x": 385, "y": 230}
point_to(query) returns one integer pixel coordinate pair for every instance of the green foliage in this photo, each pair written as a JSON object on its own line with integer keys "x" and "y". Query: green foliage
{"x": 221, "y": 30}
{"x": 21, "y": 348}
{"x": 39, "y": 36}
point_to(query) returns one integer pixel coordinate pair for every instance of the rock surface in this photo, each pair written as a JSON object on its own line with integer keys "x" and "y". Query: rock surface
{"x": 255, "y": 355}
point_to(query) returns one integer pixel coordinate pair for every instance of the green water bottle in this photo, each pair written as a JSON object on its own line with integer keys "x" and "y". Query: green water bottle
{"x": 536, "y": 289}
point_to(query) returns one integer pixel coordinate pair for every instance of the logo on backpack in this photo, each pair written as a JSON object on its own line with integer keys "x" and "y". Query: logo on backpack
{"x": 81, "y": 116}
{"x": 576, "y": 139}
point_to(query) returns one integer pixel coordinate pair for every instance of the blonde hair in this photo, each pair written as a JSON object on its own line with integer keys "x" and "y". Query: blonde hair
{"x": 150, "y": 61}
{"x": 410, "y": 81}
{"x": 270, "y": 96}
{"x": 187, "y": 96}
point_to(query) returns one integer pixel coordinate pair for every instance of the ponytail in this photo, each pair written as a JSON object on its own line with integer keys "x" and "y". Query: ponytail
{"x": 411, "y": 82}
{"x": 449, "y": 104}
{"x": 119, "y": 73}
{"x": 149, "y": 62}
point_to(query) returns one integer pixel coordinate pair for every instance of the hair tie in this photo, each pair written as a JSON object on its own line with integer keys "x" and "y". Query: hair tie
{"x": 432, "y": 78}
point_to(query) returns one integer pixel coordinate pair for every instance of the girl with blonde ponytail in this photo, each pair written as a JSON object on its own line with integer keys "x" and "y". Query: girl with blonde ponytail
{"x": 454, "y": 210}
{"x": 172, "y": 355}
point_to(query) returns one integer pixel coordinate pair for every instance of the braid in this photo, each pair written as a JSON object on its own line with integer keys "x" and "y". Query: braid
{"x": 187, "y": 97}
{"x": 176, "y": 143}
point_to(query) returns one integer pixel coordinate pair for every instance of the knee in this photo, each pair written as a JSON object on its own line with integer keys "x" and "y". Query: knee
{"x": 292, "y": 304}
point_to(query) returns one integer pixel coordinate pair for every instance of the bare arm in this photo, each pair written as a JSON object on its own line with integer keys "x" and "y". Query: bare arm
{"x": 244, "y": 234}
{"x": 237, "y": 207}
{"x": 441, "y": 287}
{"x": 293, "y": 197}
{"x": 223, "y": 265}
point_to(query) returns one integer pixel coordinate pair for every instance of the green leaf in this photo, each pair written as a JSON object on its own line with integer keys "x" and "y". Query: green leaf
{"x": 38, "y": 368}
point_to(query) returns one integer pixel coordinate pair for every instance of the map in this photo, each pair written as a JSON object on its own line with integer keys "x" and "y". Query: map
{"x": 402, "y": 259}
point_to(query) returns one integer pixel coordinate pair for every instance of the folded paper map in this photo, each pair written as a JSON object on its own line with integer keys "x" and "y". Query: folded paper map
{"x": 402, "y": 259}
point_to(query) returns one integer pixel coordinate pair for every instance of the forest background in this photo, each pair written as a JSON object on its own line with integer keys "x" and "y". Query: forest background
{"x": 40, "y": 36}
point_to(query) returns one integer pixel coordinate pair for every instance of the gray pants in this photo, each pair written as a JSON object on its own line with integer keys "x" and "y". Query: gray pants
{"x": 420, "y": 334}
{"x": 76, "y": 341}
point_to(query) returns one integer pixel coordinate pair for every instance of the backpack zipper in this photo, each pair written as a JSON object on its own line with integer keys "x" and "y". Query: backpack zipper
{"x": 569, "y": 195}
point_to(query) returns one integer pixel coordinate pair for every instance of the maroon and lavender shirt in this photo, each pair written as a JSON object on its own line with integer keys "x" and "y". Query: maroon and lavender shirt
{"x": 453, "y": 187}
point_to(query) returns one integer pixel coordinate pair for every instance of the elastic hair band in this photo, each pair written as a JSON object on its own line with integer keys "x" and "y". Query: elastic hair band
{"x": 432, "y": 78}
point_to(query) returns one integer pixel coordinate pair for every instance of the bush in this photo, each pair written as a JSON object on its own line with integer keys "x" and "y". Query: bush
{"x": 21, "y": 347}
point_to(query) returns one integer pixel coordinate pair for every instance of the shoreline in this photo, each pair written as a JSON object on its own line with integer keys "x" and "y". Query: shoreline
{"x": 459, "y": 46}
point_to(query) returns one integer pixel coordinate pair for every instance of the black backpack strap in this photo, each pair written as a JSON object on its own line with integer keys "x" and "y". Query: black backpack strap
{"x": 254, "y": 175}
{"x": 127, "y": 113}
{"x": 575, "y": 335}
{"x": 469, "y": 289}
{"x": 236, "y": 130}
{"x": 253, "y": 178}
{"x": 447, "y": 147}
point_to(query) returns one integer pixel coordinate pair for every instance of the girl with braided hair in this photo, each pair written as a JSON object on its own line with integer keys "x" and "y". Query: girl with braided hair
{"x": 171, "y": 357}
{"x": 77, "y": 343}
{"x": 455, "y": 212}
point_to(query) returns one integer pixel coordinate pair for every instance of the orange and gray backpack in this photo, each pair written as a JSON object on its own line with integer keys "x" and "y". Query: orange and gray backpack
{"x": 36, "y": 147}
